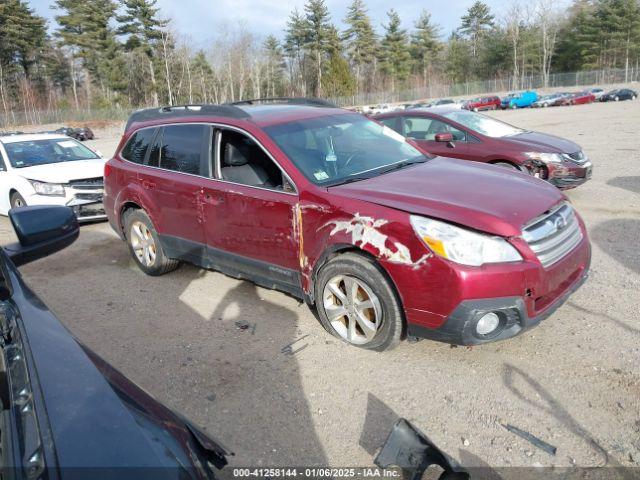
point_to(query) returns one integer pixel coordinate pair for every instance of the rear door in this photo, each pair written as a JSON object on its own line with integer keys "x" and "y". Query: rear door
{"x": 250, "y": 213}
{"x": 173, "y": 179}
{"x": 423, "y": 130}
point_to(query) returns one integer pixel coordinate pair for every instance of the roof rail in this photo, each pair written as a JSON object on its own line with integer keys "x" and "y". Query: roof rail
{"x": 176, "y": 111}
{"x": 312, "y": 102}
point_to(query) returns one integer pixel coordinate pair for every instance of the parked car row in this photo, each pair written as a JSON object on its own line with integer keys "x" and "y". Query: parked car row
{"x": 512, "y": 100}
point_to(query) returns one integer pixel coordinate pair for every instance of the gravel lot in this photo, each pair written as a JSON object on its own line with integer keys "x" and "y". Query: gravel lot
{"x": 574, "y": 381}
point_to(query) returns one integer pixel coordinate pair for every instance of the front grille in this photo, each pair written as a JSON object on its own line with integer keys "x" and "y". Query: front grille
{"x": 87, "y": 183}
{"x": 577, "y": 157}
{"x": 553, "y": 235}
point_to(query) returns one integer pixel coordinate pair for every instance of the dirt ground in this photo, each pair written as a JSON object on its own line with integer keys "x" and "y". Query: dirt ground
{"x": 284, "y": 392}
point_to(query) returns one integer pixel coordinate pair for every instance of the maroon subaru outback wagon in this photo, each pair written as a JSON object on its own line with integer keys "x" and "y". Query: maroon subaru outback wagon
{"x": 344, "y": 213}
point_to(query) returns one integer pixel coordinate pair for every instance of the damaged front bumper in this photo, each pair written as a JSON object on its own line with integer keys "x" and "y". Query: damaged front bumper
{"x": 460, "y": 327}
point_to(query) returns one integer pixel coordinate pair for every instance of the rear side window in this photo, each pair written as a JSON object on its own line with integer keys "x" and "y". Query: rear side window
{"x": 137, "y": 146}
{"x": 181, "y": 149}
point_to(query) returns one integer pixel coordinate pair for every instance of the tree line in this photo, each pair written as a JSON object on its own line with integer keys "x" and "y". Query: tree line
{"x": 108, "y": 53}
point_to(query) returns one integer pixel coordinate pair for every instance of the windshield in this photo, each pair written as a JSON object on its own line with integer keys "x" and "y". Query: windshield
{"x": 341, "y": 148}
{"x": 41, "y": 152}
{"x": 482, "y": 124}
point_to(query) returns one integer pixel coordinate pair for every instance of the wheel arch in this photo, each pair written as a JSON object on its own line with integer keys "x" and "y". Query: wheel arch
{"x": 335, "y": 250}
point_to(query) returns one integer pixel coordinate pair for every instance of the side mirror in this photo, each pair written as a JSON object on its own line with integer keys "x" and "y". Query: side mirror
{"x": 444, "y": 137}
{"x": 41, "y": 230}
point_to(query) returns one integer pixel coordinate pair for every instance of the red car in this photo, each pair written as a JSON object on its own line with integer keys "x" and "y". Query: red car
{"x": 482, "y": 103}
{"x": 336, "y": 209}
{"x": 578, "y": 98}
{"x": 477, "y": 137}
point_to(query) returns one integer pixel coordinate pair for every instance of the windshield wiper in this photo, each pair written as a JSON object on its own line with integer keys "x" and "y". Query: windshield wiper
{"x": 406, "y": 163}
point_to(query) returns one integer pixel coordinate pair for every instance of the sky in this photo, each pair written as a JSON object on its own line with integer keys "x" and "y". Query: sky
{"x": 199, "y": 19}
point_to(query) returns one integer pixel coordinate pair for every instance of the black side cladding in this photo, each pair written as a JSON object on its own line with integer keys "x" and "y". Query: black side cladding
{"x": 180, "y": 111}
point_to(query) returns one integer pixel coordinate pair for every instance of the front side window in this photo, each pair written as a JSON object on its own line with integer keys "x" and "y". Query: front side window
{"x": 483, "y": 124}
{"x": 243, "y": 161}
{"x": 32, "y": 153}
{"x": 334, "y": 149}
{"x": 426, "y": 128}
{"x": 136, "y": 148}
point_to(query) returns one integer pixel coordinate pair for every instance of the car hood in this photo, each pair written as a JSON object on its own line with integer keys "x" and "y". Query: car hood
{"x": 64, "y": 172}
{"x": 543, "y": 142}
{"x": 483, "y": 197}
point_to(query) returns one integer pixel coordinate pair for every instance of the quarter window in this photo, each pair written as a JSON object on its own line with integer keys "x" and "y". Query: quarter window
{"x": 137, "y": 146}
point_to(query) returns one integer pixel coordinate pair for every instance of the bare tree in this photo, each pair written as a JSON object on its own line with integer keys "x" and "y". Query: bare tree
{"x": 547, "y": 19}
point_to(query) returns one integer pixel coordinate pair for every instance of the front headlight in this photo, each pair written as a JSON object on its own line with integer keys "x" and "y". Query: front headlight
{"x": 43, "y": 188}
{"x": 463, "y": 246}
{"x": 544, "y": 157}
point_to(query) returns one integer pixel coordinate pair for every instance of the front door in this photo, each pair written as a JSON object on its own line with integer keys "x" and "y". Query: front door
{"x": 423, "y": 131}
{"x": 250, "y": 214}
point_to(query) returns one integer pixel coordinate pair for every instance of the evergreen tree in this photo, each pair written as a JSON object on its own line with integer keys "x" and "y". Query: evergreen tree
{"x": 458, "y": 59}
{"x": 338, "y": 79}
{"x": 142, "y": 27}
{"x": 395, "y": 59}
{"x": 295, "y": 40}
{"x": 475, "y": 24}
{"x": 85, "y": 26}
{"x": 359, "y": 38}
{"x": 275, "y": 65}
{"x": 318, "y": 29}
{"x": 22, "y": 35}
{"x": 424, "y": 43}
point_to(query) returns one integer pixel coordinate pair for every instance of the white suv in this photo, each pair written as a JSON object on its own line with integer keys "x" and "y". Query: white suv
{"x": 49, "y": 169}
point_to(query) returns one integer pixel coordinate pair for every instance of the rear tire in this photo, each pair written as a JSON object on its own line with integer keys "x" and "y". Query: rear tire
{"x": 357, "y": 303}
{"x": 616, "y": 98}
{"x": 17, "y": 201}
{"x": 144, "y": 244}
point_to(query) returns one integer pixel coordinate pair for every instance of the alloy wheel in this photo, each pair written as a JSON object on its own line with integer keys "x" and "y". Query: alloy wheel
{"x": 352, "y": 308}
{"x": 143, "y": 244}
{"x": 18, "y": 202}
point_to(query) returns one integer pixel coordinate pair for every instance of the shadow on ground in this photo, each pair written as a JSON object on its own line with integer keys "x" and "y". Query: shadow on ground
{"x": 628, "y": 183}
{"x": 618, "y": 238}
{"x": 213, "y": 348}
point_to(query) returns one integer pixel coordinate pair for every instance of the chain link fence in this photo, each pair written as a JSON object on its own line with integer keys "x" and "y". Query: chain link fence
{"x": 534, "y": 82}
{"x": 498, "y": 85}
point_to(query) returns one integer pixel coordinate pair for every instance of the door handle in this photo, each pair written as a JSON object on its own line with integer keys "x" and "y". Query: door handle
{"x": 148, "y": 185}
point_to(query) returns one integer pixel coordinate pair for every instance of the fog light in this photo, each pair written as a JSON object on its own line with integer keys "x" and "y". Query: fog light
{"x": 487, "y": 323}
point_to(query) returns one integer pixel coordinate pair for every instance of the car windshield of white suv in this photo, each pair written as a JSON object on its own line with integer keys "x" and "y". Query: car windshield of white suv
{"x": 339, "y": 149}
{"x": 41, "y": 152}
{"x": 482, "y": 124}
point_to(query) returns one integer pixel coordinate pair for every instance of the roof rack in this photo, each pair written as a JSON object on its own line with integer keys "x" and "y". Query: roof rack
{"x": 176, "y": 111}
{"x": 312, "y": 102}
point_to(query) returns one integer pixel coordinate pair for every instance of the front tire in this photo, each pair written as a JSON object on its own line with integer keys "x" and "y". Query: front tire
{"x": 507, "y": 165}
{"x": 357, "y": 303}
{"x": 144, "y": 244}
{"x": 17, "y": 201}
{"x": 616, "y": 98}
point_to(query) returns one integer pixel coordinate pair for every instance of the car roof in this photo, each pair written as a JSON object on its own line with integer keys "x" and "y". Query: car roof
{"x": 28, "y": 137}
